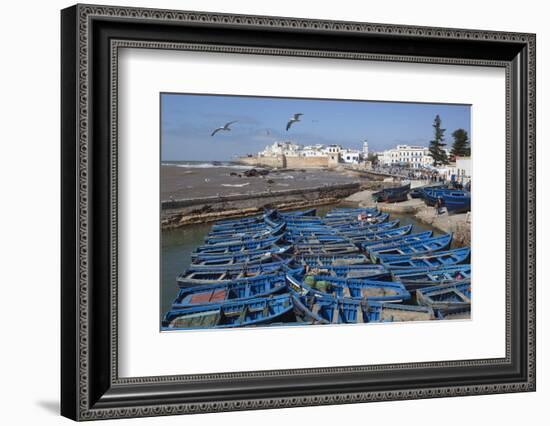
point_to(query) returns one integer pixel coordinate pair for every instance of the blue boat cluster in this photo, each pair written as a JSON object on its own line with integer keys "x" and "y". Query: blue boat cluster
{"x": 355, "y": 265}
{"x": 454, "y": 200}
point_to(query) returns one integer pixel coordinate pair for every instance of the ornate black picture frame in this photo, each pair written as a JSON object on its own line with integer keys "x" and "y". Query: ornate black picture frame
{"x": 91, "y": 37}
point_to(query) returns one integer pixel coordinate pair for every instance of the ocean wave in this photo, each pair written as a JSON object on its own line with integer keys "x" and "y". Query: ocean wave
{"x": 224, "y": 165}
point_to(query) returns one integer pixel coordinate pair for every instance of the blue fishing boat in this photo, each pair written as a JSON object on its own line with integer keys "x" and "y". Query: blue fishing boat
{"x": 243, "y": 252}
{"x": 298, "y": 213}
{"x": 315, "y": 239}
{"x": 257, "y": 234}
{"x": 394, "y": 236}
{"x": 357, "y": 228}
{"x": 240, "y": 245}
{"x": 231, "y": 314}
{"x": 233, "y": 261}
{"x": 432, "y": 260}
{"x": 377, "y": 236}
{"x": 303, "y": 223}
{"x": 416, "y": 193}
{"x": 393, "y": 194}
{"x": 268, "y": 262}
{"x": 238, "y": 221}
{"x": 240, "y": 228}
{"x": 234, "y": 246}
{"x": 375, "y": 272}
{"x": 446, "y": 297}
{"x": 456, "y": 201}
{"x": 367, "y": 220}
{"x": 189, "y": 279}
{"x": 249, "y": 288}
{"x": 335, "y": 260}
{"x": 389, "y": 251}
{"x": 329, "y": 286}
{"x": 198, "y": 275}
{"x": 392, "y": 312}
{"x": 414, "y": 279}
{"x": 331, "y": 311}
{"x": 352, "y": 212}
{"x": 324, "y": 249}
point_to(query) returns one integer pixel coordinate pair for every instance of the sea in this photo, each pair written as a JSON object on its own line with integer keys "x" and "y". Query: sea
{"x": 207, "y": 164}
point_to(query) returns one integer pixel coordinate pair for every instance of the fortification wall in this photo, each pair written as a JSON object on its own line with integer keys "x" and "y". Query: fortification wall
{"x": 306, "y": 162}
{"x": 275, "y": 162}
{"x": 284, "y": 161}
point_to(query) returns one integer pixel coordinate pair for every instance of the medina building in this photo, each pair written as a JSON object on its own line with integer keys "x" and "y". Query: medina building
{"x": 406, "y": 155}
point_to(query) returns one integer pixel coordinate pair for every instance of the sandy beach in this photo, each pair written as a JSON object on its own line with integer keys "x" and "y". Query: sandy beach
{"x": 185, "y": 181}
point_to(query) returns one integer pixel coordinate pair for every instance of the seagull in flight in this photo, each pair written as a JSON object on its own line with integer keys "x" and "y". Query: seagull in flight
{"x": 294, "y": 119}
{"x": 224, "y": 127}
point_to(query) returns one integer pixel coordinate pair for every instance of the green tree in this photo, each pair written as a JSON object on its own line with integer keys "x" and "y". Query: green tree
{"x": 461, "y": 144}
{"x": 373, "y": 158}
{"x": 436, "y": 144}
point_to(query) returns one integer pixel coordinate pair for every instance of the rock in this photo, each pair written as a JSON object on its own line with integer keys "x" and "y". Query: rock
{"x": 256, "y": 172}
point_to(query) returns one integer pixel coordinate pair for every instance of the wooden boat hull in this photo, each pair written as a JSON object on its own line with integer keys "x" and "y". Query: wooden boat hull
{"x": 240, "y": 245}
{"x": 425, "y": 246}
{"x": 392, "y": 195}
{"x": 394, "y": 238}
{"x": 234, "y": 262}
{"x": 237, "y": 290}
{"x": 349, "y": 288}
{"x": 456, "y": 204}
{"x": 244, "y": 313}
{"x": 434, "y": 260}
{"x": 332, "y": 311}
{"x": 259, "y": 234}
{"x": 446, "y": 298}
{"x": 325, "y": 249}
{"x": 298, "y": 213}
{"x": 376, "y": 272}
{"x": 278, "y": 250}
{"x": 414, "y": 279}
{"x": 206, "y": 274}
{"x": 335, "y": 260}
{"x": 390, "y": 312}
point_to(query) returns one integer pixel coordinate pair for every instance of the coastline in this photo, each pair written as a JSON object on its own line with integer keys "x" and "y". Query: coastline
{"x": 197, "y": 194}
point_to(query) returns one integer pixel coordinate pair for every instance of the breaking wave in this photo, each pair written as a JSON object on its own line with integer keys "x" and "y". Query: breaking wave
{"x": 207, "y": 165}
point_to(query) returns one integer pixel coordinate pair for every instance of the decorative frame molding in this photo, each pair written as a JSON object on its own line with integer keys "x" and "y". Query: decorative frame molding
{"x": 91, "y": 37}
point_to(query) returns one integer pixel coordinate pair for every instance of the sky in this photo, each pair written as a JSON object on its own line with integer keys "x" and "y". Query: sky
{"x": 187, "y": 121}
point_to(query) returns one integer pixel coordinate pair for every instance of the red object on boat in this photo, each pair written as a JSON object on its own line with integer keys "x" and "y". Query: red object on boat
{"x": 208, "y": 296}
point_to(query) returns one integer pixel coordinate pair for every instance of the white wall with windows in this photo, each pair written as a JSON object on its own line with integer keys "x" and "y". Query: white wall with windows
{"x": 413, "y": 156}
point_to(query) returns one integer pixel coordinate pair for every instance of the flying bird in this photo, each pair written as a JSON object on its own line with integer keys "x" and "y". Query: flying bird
{"x": 224, "y": 127}
{"x": 294, "y": 119}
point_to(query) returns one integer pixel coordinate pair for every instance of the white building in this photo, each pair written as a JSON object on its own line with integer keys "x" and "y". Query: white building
{"x": 281, "y": 148}
{"x": 464, "y": 168}
{"x": 413, "y": 156}
{"x": 332, "y": 149}
{"x": 350, "y": 156}
{"x": 312, "y": 151}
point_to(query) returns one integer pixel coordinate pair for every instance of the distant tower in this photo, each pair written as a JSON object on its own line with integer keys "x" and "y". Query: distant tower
{"x": 365, "y": 149}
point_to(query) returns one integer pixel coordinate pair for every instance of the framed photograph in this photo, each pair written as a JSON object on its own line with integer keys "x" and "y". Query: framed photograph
{"x": 263, "y": 212}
